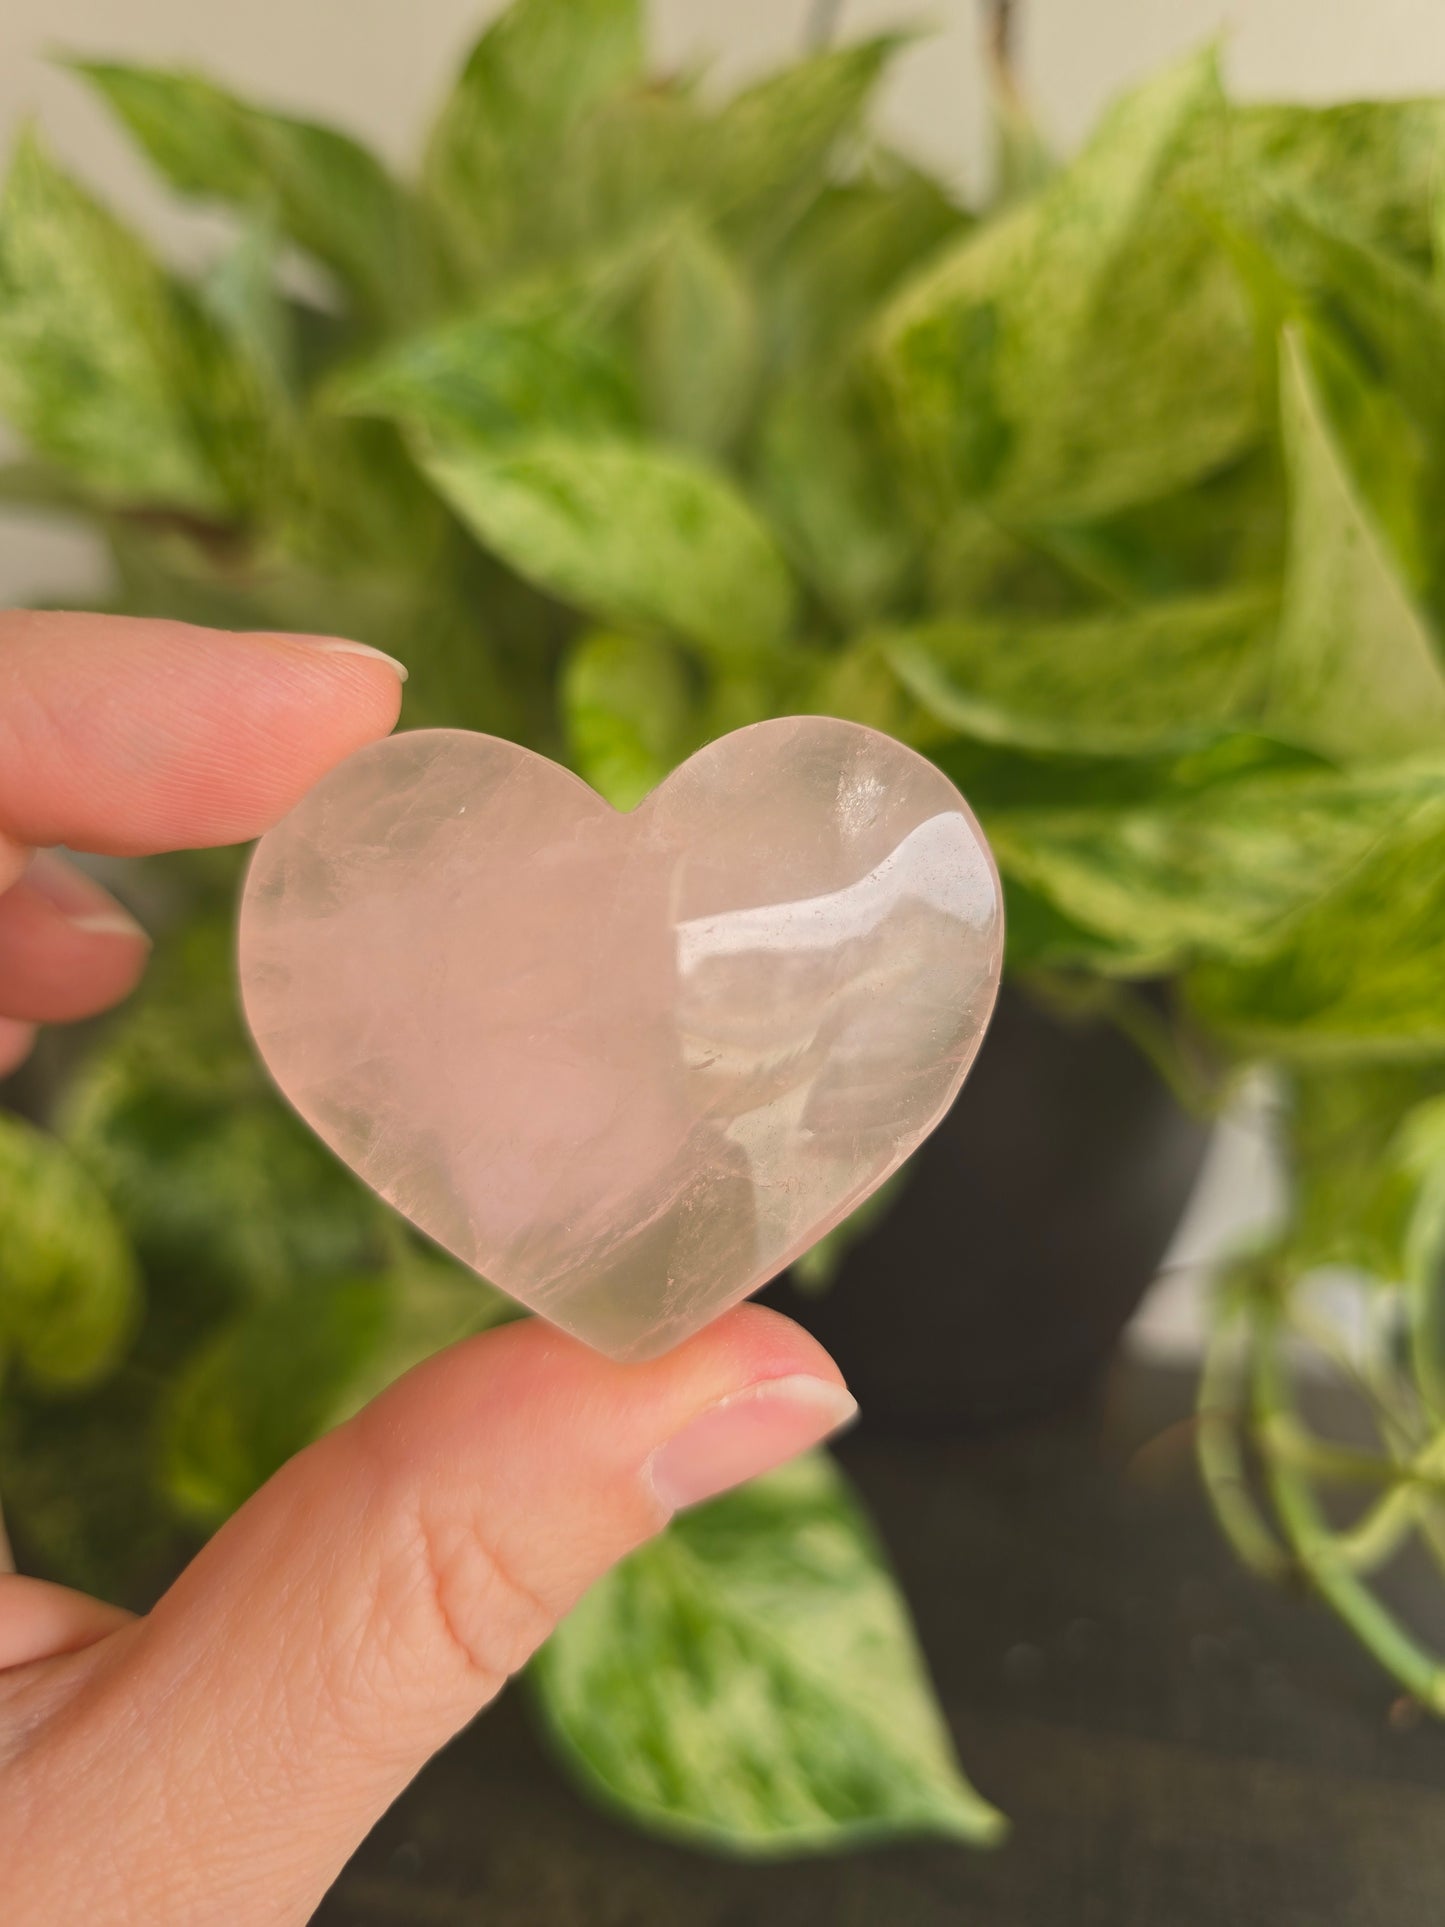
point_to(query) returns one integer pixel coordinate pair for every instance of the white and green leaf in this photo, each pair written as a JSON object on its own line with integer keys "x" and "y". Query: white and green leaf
{"x": 1142, "y": 679}
{"x": 107, "y": 367}
{"x": 1356, "y": 670}
{"x": 771, "y": 145}
{"x": 1234, "y": 869}
{"x": 495, "y": 376}
{"x": 750, "y": 1682}
{"x": 698, "y": 343}
{"x": 631, "y": 533}
{"x": 1359, "y": 973}
{"x": 325, "y": 191}
{"x": 1088, "y": 348}
{"x": 533, "y": 78}
{"x": 822, "y": 472}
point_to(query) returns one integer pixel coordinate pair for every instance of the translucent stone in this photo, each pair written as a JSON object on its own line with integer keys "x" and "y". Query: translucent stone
{"x": 628, "y": 1067}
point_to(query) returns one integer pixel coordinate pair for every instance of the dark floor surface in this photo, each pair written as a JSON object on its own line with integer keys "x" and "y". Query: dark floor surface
{"x": 1177, "y": 1745}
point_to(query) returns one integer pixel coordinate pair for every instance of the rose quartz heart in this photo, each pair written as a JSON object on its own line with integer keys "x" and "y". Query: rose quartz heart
{"x": 626, "y": 1066}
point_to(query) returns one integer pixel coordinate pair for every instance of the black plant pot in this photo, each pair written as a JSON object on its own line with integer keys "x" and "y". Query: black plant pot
{"x": 1028, "y": 1228}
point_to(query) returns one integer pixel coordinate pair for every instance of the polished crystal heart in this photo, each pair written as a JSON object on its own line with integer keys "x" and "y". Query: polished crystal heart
{"x": 627, "y": 1067}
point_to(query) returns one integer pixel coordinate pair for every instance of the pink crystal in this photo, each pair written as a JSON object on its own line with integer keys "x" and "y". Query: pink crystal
{"x": 628, "y": 1067}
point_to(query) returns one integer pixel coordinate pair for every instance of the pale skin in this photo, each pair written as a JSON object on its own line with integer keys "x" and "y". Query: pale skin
{"x": 219, "y": 1758}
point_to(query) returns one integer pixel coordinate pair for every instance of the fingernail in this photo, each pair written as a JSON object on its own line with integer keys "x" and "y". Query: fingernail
{"x": 340, "y": 646}
{"x": 109, "y": 923}
{"x": 83, "y": 904}
{"x": 748, "y": 1433}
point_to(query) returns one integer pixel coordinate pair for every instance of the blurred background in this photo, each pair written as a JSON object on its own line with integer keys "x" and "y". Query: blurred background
{"x": 374, "y": 69}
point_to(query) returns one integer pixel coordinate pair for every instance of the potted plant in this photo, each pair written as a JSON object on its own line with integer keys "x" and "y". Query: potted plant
{"x": 637, "y": 415}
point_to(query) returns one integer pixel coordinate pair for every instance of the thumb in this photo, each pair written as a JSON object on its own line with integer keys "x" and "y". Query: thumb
{"x": 236, "y": 1744}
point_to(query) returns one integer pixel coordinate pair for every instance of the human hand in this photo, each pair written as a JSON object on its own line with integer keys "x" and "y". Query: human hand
{"x": 219, "y": 1758}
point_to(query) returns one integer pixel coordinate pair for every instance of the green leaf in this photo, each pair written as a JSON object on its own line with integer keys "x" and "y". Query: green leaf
{"x": 295, "y": 1365}
{"x": 1139, "y": 680}
{"x": 324, "y": 190}
{"x": 975, "y": 563}
{"x": 824, "y": 476}
{"x": 242, "y": 295}
{"x": 612, "y": 185}
{"x": 1372, "y": 331}
{"x": 1386, "y": 314}
{"x": 635, "y": 535}
{"x": 68, "y": 1283}
{"x": 105, "y": 363}
{"x": 1219, "y": 871}
{"x": 290, "y": 1367}
{"x": 1356, "y": 672}
{"x": 858, "y": 685}
{"x": 495, "y": 377}
{"x": 750, "y": 1682}
{"x": 551, "y": 146}
{"x": 497, "y": 153}
{"x": 1090, "y": 348}
{"x": 265, "y": 1386}
{"x": 852, "y": 248}
{"x": 698, "y": 341}
{"x": 1012, "y": 783}
{"x": 1361, "y": 972}
{"x": 1368, "y": 166}
{"x": 630, "y": 714}
{"x": 1354, "y": 1193}
{"x": 771, "y": 146}
{"x": 358, "y": 513}
{"x": 80, "y": 1486}
{"x": 211, "y": 1174}
{"x": 1225, "y": 533}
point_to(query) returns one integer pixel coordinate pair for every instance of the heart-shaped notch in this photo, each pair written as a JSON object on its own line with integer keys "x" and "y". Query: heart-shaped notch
{"x": 628, "y": 1067}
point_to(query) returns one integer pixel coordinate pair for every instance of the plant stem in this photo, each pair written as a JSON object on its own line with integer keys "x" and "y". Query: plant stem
{"x": 823, "y": 18}
{"x": 7, "y": 1557}
{"x": 1341, "y": 1464}
{"x": 1374, "y": 1540}
{"x": 1418, "y": 1670}
{"x": 1001, "y": 20}
{"x": 1388, "y": 1408}
{"x": 1221, "y": 1461}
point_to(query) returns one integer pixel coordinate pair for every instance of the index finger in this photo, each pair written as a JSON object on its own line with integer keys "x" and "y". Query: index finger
{"x": 125, "y": 736}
